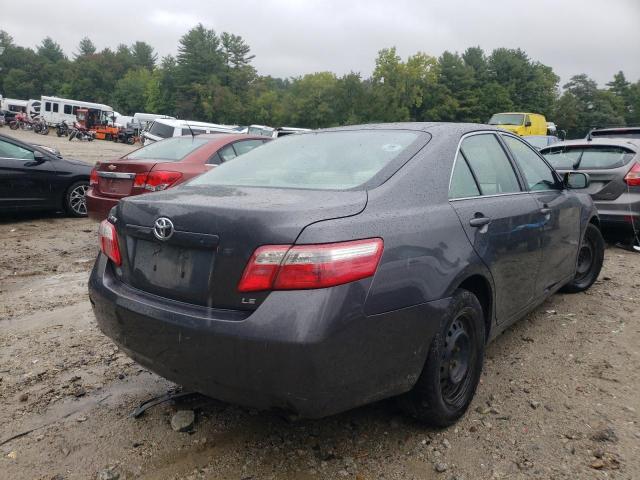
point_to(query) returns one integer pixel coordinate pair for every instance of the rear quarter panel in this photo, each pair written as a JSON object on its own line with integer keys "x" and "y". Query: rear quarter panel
{"x": 426, "y": 252}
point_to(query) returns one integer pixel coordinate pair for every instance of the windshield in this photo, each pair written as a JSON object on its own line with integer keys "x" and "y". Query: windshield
{"x": 169, "y": 150}
{"x": 325, "y": 160}
{"x": 587, "y": 157}
{"x": 507, "y": 119}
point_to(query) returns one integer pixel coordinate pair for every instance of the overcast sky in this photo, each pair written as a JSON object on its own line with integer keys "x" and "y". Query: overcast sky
{"x": 291, "y": 38}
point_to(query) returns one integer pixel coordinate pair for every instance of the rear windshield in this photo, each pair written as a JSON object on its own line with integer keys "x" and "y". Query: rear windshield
{"x": 587, "y": 157}
{"x": 325, "y": 160}
{"x": 161, "y": 130}
{"x": 507, "y": 119}
{"x": 171, "y": 149}
{"x": 616, "y": 133}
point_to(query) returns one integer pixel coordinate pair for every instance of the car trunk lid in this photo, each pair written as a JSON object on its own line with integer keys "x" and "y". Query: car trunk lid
{"x": 116, "y": 179}
{"x": 216, "y": 229}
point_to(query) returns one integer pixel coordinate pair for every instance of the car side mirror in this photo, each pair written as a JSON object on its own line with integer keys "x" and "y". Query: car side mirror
{"x": 39, "y": 157}
{"x": 576, "y": 180}
{"x": 527, "y": 123}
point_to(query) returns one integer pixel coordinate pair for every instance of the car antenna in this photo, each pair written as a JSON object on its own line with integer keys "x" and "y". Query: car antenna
{"x": 193, "y": 135}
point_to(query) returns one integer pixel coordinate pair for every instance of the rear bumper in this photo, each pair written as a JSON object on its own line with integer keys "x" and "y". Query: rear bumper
{"x": 620, "y": 214}
{"x": 98, "y": 207}
{"x": 295, "y": 352}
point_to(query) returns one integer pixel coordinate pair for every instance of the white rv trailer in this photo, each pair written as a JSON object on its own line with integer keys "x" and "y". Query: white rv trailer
{"x": 13, "y": 104}
{"x": 54, "y": 110}
{"x": 165, "y": 127}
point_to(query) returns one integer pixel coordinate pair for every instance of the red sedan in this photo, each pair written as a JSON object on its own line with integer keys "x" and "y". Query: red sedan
{"x": 161, "y": 165}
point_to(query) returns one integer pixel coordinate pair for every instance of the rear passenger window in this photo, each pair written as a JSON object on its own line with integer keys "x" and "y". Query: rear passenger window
{"x": 537, "y": 174}
{"x": 47, "y": 106}
{"x": 490, "y": 165}
{"x": 214, "y": 160}
{"x": 67, "y": 109}
{"x": 462, "y": 182}
{"x": 227, "y": 153}
{"x": 55, "y": 107}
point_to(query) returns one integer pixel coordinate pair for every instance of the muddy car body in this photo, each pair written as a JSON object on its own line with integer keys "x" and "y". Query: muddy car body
{"x": 335, "y": 268}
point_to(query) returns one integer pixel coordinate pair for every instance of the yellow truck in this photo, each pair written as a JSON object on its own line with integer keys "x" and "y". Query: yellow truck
{"x": 520, "y": 123}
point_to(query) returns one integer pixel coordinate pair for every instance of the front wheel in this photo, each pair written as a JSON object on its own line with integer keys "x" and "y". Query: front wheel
{"x": 452, "y": 370}
{"x": 14, "y": 125}
{"x": 75, "y": 199}
{"x": 590, "y": 259}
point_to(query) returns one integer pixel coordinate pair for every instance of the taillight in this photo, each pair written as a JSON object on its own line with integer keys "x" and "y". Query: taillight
{"x": 283, "y": 267}
{"x": 633, "y": 176}
{"x": 93, "y": 178}
{"x": 139, "y": 180}
{"x": 109, "y": 241}
{"x": 160, "y": 180}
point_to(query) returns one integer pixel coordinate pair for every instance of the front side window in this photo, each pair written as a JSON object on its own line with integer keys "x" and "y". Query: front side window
{"x": 323, "y": 160}
{"x": 9, "y": 150}
{"x": 587, "y": 157}
{"x": 55, "y": 107}
{"x": 490, "y": 165}
{"x": 463, "y": 184}
{"x": 172, "y": 149}
{"x": 537, "y": 174}
{"x": 67, "y": 109}
{"x": 246, "y": 146}
{"x": 47, "y": 106}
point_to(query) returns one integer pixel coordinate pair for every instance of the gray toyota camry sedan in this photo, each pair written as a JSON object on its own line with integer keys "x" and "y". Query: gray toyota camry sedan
{"x": 330, "y": 269}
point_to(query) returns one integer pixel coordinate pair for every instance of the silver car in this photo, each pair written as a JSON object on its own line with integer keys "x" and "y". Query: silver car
{"x": 613, "y": 165}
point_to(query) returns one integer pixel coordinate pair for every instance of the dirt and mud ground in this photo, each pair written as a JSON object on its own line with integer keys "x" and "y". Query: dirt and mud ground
{"x": 559, "y": 398}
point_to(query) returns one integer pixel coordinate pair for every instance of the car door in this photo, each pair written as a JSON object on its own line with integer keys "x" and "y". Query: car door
{"x": 559, "y": 214}
{"x": 25, "y": 177}
{"x": 500, "y": 219}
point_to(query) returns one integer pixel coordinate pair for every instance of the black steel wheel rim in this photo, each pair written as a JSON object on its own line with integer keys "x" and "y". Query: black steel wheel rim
{"x": 586, "y": 259}
{"x": 458, "y": 361}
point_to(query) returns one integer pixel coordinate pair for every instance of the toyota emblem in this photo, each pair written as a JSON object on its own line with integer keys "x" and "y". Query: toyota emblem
{"x": 163, "y": 228}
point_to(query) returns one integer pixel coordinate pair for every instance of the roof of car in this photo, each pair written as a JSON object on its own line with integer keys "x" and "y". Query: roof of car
{"x": 611, "y": 142}
{"x": 615, "y": 129}
{"x": 420, "y": 126}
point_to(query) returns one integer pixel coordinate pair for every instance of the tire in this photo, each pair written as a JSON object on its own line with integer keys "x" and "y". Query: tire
{"x": 590, "y": 259}
{"x": 131, "y": 140}
{"x": 75, "y": 203}
{"x": 45, "y": 130}
{"x": 13, "y": 125}
{"x": 453, "y": 367}
{"x": 72, "y": 135}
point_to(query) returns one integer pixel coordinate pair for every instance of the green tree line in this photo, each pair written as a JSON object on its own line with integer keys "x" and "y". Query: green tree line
{"x": 212, "y": 79}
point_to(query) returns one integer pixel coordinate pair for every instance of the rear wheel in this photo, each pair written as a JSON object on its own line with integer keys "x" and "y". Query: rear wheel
{"x": 590, "y": 258}
{"x": 452, "y": 370}
{"x": 14, "y": 125}
{"x": 75, "y": 199}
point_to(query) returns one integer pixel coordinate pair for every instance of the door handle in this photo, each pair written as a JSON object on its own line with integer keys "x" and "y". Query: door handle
{"x": 479, "y": 221}
{"x": 545, "y": 210}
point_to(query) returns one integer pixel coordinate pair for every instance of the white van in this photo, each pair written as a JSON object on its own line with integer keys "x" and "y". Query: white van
{"x": 54, "y": 110}
{"x": 165, "y": 128}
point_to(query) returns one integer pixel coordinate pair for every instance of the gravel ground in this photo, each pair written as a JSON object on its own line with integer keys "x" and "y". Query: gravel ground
{"x": 559, "y": 397}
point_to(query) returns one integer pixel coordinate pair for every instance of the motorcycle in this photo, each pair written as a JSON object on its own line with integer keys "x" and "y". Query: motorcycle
{"x": 21, "y": 121}
{"x": 62, "y": 129}
{"x": 81, "y": 133}
{"x": 40, "y": 126}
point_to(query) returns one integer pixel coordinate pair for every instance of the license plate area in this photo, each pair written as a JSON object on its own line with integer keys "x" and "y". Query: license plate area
{"x": 172, "y": 271}
{"x": 115, "y": 186}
